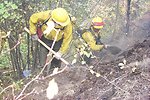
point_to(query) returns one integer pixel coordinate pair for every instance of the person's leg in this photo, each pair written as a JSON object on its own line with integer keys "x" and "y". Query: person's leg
{"x": 43, "y": 55}
{"x": 44, "y": 51}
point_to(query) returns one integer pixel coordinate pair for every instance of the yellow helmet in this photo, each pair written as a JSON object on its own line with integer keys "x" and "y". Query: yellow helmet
{"x": 97, "y": 22}
{"x": 60, "y": 16}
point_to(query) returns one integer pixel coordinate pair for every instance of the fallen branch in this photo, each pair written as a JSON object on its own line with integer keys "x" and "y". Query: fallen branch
{"x": 10, "y": 86}
{"x": 37, "y": 78}
{"x": 17, "y": 43}
{"x": 6, "y": 36}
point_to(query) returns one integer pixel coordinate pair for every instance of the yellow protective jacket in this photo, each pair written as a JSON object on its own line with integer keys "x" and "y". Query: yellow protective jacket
{"x": 91, "y": 41}
{"x": 66, "y": 34}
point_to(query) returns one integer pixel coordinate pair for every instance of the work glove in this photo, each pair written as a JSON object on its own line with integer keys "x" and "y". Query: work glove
{"x": 50, "y": 27}
{"x": 58, "y": 55}
{"x": 34, "y": 37}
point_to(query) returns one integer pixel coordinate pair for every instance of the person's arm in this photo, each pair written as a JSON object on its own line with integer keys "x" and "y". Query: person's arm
{"x": 40, "y": 16}
{"x": 89, "y": 39}
{"x": 66, "y": 39}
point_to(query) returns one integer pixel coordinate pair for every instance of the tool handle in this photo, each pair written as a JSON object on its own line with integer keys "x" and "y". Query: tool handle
{"x": 63, "y": 60}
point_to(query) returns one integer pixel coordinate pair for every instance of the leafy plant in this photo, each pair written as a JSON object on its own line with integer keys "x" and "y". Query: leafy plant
{"x": 5, "y": 10}
{"x": 4, "y": 60}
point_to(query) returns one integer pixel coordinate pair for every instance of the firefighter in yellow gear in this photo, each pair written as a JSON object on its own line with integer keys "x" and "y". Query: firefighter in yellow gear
{"x": 92, "y": 37}
{"x": 54, "y": 28}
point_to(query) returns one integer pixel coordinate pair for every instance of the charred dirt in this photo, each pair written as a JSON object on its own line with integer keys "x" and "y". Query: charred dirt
{"x": 131, "y": 81}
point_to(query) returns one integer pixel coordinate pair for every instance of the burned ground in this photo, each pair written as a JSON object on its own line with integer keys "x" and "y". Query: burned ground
{"x": 129, "y": 82}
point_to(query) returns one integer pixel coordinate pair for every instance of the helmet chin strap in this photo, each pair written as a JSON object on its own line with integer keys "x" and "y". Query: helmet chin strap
{"x": 95, "y": 30}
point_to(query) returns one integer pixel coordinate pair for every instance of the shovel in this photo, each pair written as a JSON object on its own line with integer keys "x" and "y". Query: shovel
{"x": 113, "y": 49}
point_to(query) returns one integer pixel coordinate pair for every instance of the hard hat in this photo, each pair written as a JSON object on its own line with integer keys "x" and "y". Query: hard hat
{"x": 97, "y": 22}
{"x": 60, "y": 16}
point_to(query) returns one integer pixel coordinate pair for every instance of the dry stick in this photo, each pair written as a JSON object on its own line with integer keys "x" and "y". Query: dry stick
{"x": 17, "y": 98}
{"x": 115, "y": 85}
{"x": 10, "y": 86}
{"x": 27, "y": 94}
{"x": 7, "y": 35}
{"x": 18, "y": 42}
{"x": 57, "y": 32}
{"x": 53, "y": 74}
{"x": 13, "y": 93}
{"x": 48, "y": 67}
{"x": 36, "y": 78}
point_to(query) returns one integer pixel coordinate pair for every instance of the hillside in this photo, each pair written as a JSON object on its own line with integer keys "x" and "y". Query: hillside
{"x": 129, "y": 82}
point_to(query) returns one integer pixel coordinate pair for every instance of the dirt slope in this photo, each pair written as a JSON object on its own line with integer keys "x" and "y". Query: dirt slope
{"x": 131, "y": 82}
{"x": 115, "y": 83}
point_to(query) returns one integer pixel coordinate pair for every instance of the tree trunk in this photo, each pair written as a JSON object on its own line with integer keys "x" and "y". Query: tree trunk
{"x": 128, "y": 16}
{"x": 116, "y": 21}
{"x": 15, "y": 57}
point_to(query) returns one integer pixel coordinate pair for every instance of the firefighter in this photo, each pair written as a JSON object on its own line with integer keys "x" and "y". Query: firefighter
{"x": 91, "y": 37}
{"x": 54, "y": 28}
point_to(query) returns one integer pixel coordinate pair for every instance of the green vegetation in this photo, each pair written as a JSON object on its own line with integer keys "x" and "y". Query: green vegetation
{"x": 18, "y": 51}
{"x": 4, "y": 61}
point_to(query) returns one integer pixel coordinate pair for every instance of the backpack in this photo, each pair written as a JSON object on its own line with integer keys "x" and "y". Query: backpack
{"x": 80, "y": 31}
